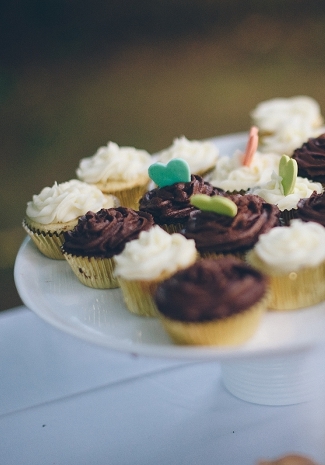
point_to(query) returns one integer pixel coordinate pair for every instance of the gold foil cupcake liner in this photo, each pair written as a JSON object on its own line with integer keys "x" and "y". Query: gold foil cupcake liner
{"x": 172, "y": 228}
{"x": 233, "y": 330}
{"x": 138, "y": 296}
{"x": 49, "y": 244}
{"x": 94, "y": 272}
{"x": 240, "y": 255}
{"x": 299, "y": 289}
{"x": 128, "y": 194}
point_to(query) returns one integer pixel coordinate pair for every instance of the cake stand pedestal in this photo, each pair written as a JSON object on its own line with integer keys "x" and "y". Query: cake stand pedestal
{"x": 276, "y": 380}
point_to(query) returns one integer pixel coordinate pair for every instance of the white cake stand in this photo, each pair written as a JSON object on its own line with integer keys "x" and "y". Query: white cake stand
{"x": 280, "y": 365}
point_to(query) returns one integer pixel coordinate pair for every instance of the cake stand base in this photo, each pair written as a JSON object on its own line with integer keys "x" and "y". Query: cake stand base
{"x": 278, "y": 380}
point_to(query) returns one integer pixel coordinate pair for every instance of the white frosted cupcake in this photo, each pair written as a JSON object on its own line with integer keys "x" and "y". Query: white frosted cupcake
{"x": 272, "y": 192}
{"x": 120, "y": 171}
{"x": 56, "y": 209}
{"x": 286, "y": 188}
{"x": 294, "y": 259}
{"x": 148, "y": 260}
{"x": 286, "y": 123}
{"x": 201, "y": 156}
{"x": 231, "y": 175}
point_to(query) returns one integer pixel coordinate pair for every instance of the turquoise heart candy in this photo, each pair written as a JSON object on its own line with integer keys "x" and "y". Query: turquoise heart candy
{"x": 176, "y": 170}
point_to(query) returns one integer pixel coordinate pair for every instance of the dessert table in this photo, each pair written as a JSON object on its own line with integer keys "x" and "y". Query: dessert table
{"x": 67, "y": 401}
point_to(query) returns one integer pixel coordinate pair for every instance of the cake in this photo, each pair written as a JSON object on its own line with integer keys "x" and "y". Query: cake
{"x": 169, "y": 203}
{"x": 286, "y": 188}
{"x": 57, "y": 209}
{"x": 212, "y": 302}
{"x": 200, "y": 155}
{"x": 312, "y": 208}
{"x": 120, "y": 171}
{"x": 286, "y": 123}
{"x": 219, "y": 232}
{"x": 148, "y": 260}
{"x": 91, "y": 246}
{"x": 310, "y": 158}
{"x": 244, "y": 170}
{"x": 294, "y": 259}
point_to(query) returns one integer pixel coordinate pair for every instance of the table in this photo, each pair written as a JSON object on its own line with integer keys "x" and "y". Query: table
{"x": 65, "y": 401}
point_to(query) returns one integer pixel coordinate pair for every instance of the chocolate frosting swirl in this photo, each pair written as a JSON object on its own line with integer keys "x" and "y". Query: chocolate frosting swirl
{"x": 217, "y": 233}
{"x": 312, "y": 208}
{"x": 210, "y": 289}
{"x": 171, "y": 204}
{"x": 105, "y": 233}
{"x": 310, "y": 159}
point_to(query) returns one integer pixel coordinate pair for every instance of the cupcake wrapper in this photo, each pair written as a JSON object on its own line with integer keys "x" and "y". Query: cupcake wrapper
{"x": 286, "y": 216}
{"x": 234, "y": 330}
{"x": 49, "y": 244}
{"x": 94, "y": 272}
{"x": 130, "y": 197}
{"x": 298, "y": 289}
{"x": 172, "y": 228}
{"x": 138, "y": 296}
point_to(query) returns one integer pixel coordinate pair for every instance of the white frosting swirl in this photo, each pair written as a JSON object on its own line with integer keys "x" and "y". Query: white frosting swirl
{"x": 289, "y": 248}
{"x": 153, "y": 253}
{"x": 200, "y": 155}
{"x": 290, "y": 137}
{"x": 114, "y": 163}
{"x": 231, "y": 175}
{"x": 66, "y": 201}
{"x": 287, "y": 122}
{"x": 272, "y": 192}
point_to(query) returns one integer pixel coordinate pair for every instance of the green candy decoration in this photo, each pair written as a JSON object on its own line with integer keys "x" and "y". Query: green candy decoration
{"x": 288, "y": 170}
{"x": 215, "y": 204}
{"x": 176, "y": 170}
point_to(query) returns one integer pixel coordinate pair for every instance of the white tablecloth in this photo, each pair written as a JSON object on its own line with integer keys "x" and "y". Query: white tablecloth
{"x": 66, "y": 402}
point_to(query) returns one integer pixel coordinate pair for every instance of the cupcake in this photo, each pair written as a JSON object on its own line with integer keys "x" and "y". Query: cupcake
{"x": 229, "y": 225}
{"x": 286, "y": 188}
{"x": 120, "y": 171}
{"x": 310, "y": 158}
{"x": 286, "y": 123}
{"x": 91, "y": 246}
{"x": 244, "y": 170}
{"x": 213, "y": 302}
{"x": 148, "y": 260}
{"x": 294, "y": 259}
{"x": 200, "y": 155}
{"x": 312, "y": 208}
{"x": 57, "y": 209}
{"x": 169, "y": 203}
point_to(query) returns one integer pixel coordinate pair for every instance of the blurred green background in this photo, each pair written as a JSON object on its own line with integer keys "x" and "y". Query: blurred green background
{"x": 76, "y": 74}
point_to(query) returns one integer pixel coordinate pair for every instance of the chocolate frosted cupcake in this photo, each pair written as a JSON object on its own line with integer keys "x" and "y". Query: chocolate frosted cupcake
{"x": 170, "y": 206}
{"x": 312, "y": 208}
{"x": 169, "y": 203}
{"x": 98, "y": 237}
{"x": 218, "y": 233}
{"x": 310, "y": 158}
{"x": 212, "y": 302}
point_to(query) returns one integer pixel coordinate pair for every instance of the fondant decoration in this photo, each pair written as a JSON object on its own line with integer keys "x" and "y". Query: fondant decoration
{"x": 251, "y": 146}
{"x": 215, "y": 204}
{"x": 176, "y": 170}
{"x": 288, "y": 170}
